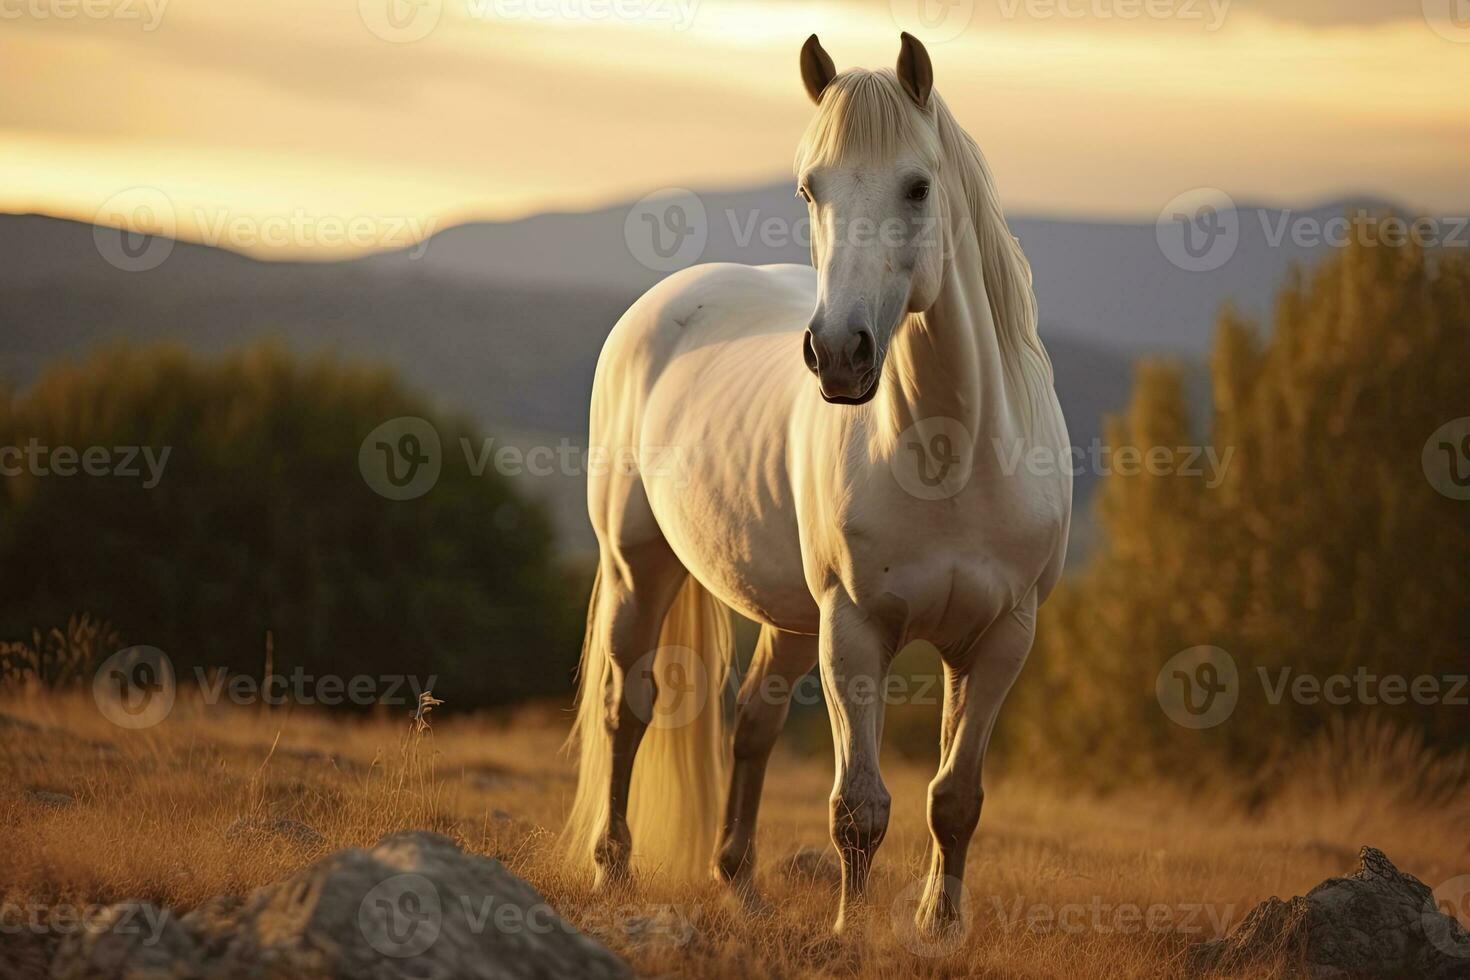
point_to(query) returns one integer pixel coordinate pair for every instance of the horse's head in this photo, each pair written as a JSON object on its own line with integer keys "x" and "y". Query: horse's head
{"x": 868, "y": 169}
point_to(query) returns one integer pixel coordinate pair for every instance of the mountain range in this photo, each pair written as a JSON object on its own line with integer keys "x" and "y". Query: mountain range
{"x": 504, "y": 320}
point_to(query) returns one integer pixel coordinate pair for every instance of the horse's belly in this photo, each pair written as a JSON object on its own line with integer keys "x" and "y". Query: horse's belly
{"x": 766, "y": 587}
{"x": 722, "y": 413}
{"x": 739, "y": 541}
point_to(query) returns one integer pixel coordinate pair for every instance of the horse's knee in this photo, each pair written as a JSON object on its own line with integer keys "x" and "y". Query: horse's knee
{"x": 631, "y": 692}
{"x": 954, "y": 812}
{"x": 860, "y": 817}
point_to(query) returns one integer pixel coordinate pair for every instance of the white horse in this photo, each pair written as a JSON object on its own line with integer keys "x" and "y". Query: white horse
{"x": 836, "y": 456}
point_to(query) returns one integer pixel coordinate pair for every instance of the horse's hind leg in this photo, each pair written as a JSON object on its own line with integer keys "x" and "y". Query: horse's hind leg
{"x": 638, "y": 586}
{"x": 781, "y": 660}
{"x": 975, "y": 686}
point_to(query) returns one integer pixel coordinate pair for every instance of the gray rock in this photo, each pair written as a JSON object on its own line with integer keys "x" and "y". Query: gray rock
{"x": 18, "y": 724}
{"x": 43, "y": 797}
{"x": 414, "y": 906}
{"x": 1376, "y": 923}
{"x": 664, "y": 927}
{"x": 818, "y": 864}
{"x": 275, "y": 827}
{"x": 130, "y": 941}
{"x": 316, "y": 757}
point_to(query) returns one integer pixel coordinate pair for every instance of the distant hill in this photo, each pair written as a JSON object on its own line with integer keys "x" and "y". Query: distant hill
{"x": 1105, "y": 283}
{"x": 504, "y": 321}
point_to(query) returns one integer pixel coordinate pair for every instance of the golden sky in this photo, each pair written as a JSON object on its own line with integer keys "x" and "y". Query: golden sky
{"x": 415, "y": 114}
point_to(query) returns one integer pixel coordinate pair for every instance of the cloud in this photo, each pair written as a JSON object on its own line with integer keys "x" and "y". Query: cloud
{"x": 286, "y": 103}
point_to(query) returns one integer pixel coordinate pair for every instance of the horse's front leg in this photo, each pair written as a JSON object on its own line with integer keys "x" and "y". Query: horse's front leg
{"x": 781, "y": 659}
{"x": 854, "y": 657}
{"x": 976, "y": 683}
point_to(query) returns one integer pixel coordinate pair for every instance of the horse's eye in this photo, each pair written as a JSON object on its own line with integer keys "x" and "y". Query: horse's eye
{"x": 804, "y": 194}
{"x": 919, "y": 191}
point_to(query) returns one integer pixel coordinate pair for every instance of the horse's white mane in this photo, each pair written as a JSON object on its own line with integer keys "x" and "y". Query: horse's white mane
{"x": 866, "y": 115}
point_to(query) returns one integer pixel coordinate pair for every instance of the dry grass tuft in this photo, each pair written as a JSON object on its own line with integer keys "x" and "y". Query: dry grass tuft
{"x": 1062, "y": 884}
{"x": 57, "y": 657}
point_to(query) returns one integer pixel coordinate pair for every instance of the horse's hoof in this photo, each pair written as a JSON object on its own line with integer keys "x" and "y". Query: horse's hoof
{"x": 933, "y": 925}
{"x": 940, "y": 928}
{"x": 611, "y": 879}
{"x": 852, "y": 920}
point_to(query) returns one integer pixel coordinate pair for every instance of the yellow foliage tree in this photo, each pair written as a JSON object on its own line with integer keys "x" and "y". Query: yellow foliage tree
{"x": 1326, "y": 551}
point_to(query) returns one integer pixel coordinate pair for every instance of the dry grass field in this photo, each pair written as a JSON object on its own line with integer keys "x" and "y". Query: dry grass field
{"x": 1062, "y": 884}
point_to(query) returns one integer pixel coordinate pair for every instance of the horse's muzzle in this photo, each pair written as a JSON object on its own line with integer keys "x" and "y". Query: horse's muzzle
{"x": 846, "y": 371}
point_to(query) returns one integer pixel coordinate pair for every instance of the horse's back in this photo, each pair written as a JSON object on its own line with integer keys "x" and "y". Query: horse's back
{"x": 721, "y": 313}
{"x": 705, "y": 304}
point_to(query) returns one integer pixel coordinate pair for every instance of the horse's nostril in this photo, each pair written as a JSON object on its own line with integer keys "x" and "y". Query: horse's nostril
{"x": 809, "y": 353}
{"x": 865, "y": 352}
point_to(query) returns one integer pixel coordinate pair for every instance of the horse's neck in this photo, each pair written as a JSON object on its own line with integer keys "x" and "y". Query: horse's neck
{"x": 948, "y": 360}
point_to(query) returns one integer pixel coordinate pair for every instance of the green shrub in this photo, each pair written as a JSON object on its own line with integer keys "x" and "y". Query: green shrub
{"x": 262, "y": 520}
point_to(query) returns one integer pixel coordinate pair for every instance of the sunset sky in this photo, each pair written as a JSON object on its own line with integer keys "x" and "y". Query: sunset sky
{"x": 501, "y": 108}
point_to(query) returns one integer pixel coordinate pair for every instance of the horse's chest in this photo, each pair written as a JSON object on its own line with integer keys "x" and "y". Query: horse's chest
{"x": 945, "y": 573}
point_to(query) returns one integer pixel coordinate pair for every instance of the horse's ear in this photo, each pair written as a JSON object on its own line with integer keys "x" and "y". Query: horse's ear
{"x": 915, "y": 71}
{"x": 817, "y": 70}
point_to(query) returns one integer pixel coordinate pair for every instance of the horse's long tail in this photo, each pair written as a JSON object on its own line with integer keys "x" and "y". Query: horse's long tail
{"x": 680, "y": 769}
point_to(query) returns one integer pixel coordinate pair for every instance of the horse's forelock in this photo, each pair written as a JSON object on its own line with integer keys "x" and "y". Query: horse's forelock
{"x": 866, "y": 116}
